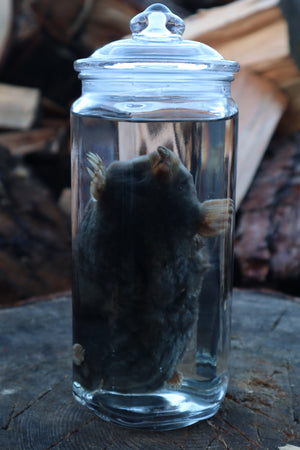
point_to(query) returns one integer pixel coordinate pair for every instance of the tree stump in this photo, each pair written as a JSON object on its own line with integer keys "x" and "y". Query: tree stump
{"x": 261, "y": 409}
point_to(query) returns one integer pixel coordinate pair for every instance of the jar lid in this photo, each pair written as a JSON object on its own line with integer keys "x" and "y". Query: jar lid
{"x": 157, "y": 46}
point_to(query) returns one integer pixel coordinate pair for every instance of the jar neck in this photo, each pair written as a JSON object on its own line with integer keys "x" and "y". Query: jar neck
{"x": 156, "y": 87}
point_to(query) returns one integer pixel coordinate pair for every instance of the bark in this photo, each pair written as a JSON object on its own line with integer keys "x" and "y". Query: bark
{"x": 267, "y": 245}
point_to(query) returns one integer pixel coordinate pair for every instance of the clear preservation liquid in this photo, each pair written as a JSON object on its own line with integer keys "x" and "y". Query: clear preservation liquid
{"x": 152, "y": 253}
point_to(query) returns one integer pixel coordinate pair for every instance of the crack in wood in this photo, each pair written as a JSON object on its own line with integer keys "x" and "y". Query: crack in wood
{"x": 243, "y": 402}
{"x": 241, "y": 433}
{"x": 268, "y": 333}
{"x": 217, "y": 430}
{"x": 68, "y": 435}
{"x": 31, "y": 403}
{"x": 178, "y": 445}
{"x": 9, "y": 419}
{"x": 292, "y": 403}
{"x": 211, "y": 442}
{"x": 222, "y": 441}
{"x": 277, "y": 321}
{"x": 108, "y": 446}
{"x": 258, "y": 434}
{"x": 259, "y": 411}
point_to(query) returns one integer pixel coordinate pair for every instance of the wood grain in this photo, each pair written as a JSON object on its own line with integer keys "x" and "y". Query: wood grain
{"x": 35, "y": 253}
{"x": 18, "y": 106}
{"x": 257, "y": 35}
{"x": 234, "y": 19}
{"x": 267, "y": 240}
{"x": 261, "y": 409}
{"x": 261, "y": 106}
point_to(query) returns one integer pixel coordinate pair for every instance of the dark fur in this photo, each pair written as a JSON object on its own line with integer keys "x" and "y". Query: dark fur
{"x": 140, "y": 264}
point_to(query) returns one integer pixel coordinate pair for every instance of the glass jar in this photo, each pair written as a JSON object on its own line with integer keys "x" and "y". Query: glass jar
{"x": 154, "y": 139}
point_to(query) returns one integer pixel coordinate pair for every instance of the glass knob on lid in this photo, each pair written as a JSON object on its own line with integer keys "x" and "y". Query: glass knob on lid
{"x": 157, "y": 21}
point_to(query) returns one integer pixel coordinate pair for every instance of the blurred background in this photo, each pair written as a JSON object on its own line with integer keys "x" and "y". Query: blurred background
{"x": 39, "y": 41}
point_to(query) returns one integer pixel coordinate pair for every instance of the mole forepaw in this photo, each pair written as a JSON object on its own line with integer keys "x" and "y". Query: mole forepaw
{"x": 215, "y": 217}
{"x": 98, "y": 175}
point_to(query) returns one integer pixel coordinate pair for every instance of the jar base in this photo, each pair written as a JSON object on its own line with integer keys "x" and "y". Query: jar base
{"x": 162, "y": 410}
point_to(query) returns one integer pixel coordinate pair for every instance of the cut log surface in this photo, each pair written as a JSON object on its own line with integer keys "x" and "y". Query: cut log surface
{"x": 18, "y": 106}
{"x": 261, "y": 409}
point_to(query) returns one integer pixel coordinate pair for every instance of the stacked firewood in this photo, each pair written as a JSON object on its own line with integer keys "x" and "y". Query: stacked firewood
{"x": 40, "y": 39}
{"x": 263, "y": 38}
{"x": 259, "y": 36}
{"x": 267, "y": 244}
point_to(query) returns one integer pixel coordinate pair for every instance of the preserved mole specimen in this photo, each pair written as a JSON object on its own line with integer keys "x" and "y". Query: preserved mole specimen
{"x": 141, "y": 260}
